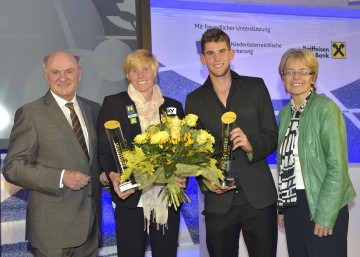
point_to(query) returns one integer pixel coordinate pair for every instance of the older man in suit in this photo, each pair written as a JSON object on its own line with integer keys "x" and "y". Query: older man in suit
{"x": 250, "y": 205}
{"x": 58, "y": 164}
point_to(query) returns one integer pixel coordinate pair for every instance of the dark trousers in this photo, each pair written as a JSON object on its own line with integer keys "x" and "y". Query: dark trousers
{"x": 131, "y": 233}
{"x": 300, "y": 237}
{"x": 259, "y": 227}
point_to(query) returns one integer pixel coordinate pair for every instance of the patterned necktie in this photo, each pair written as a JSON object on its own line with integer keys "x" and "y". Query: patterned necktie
{"x": 77, "y": 128}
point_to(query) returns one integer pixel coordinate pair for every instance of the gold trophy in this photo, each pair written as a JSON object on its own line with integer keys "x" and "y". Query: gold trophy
{"x": 228, "y": 123}
{"x": 118, "y": 144}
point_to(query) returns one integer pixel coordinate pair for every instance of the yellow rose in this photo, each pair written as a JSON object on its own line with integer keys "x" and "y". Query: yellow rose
{"x": 174, "y": 122}
{"x": 175, "y": 132}
{"x": 202, "y": 137}
{"x": 211, "y": 138}
{"x": 160, "y": 137}
{"x": 152, "y": 129}
{"x": 141, "y": 138}
{"x": 191, "y": 120}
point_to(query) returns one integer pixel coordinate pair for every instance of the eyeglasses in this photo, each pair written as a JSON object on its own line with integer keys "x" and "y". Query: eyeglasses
{"x": 301, "y": 73}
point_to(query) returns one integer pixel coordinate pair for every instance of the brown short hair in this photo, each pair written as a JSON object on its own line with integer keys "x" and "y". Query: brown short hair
{"x": 214, "y": 35}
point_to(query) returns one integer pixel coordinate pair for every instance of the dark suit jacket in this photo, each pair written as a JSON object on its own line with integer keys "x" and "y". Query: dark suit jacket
{"x": 42, "y": 144}
{"x": 114, "y": 107}
{"x": 250, "y": 100}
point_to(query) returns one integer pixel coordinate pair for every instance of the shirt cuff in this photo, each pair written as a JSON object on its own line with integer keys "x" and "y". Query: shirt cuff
{"x": 61, "y": 179}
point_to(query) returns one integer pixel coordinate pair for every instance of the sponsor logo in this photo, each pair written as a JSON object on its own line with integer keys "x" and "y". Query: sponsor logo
{"x": 171, "y": 110}
{"x": 338, "y": 50}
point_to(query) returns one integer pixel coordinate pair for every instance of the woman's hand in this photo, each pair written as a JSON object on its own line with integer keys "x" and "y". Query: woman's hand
{"x": 104, "y": 182}
{"x": 103, "y": 179}
{"x": 321, "y": 231}
{"x": 181, "y": 181}
{"x": 115, "y": 179}
{"x": 281, "y": 220}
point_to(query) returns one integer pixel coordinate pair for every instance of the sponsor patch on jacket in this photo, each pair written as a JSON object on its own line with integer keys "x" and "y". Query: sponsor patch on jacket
{"x": 131, "y": 114}
{"x": 130, "y": 109}
{"x": 133, "y": 120}
{"x": 171, "y": 111}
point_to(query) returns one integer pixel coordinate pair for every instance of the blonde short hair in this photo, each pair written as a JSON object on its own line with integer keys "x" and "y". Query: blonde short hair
{"x": 304, "y": 55}
{"x": 138, "y": 57}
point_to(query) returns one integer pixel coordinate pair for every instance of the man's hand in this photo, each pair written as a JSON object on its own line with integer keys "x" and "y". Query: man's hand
{"x": 115, "y": 179}
{"x": 216, "y": 189}
{"x": 75, "y": 180}
{"x": 239, "y": 139}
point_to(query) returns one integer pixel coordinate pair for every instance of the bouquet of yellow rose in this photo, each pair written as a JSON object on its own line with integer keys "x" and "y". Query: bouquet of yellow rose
{"x": 173, "y": 147}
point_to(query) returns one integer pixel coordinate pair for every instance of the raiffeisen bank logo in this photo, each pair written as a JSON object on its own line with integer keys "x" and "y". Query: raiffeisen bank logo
{"x": 320, "y": 52}
{"x": 338, "y": 50}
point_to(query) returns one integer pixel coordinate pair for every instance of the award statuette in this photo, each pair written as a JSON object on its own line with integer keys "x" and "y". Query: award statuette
{"x": 118, "y": 144}
{"x": 228, "y": 123}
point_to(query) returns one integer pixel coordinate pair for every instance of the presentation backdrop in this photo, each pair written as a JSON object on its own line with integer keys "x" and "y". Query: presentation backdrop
{"x": 104, "y": 34}
{"x": 259, "y": 40}
{"x": 260, "y": 34}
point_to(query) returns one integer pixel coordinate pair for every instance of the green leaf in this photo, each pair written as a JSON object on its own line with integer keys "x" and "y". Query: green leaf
{"x": 170, "y": 169}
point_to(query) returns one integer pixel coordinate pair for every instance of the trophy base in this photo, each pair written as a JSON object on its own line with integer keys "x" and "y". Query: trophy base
{"x": 127, "y": 186}
{"x": 229, "y": 182}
